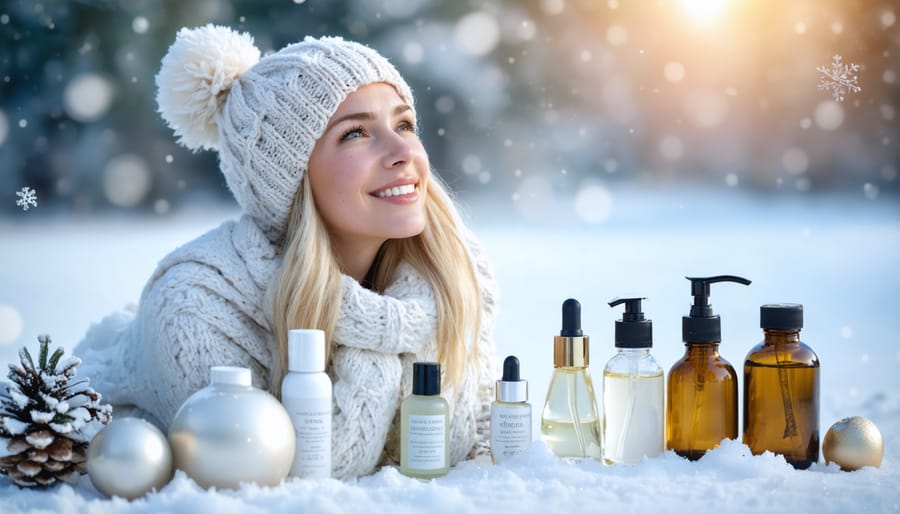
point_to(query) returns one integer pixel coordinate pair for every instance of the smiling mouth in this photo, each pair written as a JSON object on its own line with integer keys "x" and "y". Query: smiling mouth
{"x": 396, "y": 191}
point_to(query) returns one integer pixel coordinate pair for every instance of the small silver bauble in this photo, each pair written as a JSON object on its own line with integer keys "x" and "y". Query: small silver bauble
{"x": 230, "y": 432}
{"x": 128, "y": 458}
{"x": 853, "y": 443}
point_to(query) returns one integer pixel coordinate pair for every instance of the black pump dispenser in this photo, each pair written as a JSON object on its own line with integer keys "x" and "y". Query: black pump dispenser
{"x": 633, "y": 331}
{"x": 702, "y": 326}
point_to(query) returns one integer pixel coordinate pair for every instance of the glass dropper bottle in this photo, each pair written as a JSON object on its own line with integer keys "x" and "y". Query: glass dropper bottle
{"x": 570, "y": 424}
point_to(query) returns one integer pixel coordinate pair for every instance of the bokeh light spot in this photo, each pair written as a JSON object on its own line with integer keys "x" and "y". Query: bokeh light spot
{"x": 616, "y": 35}
{"x": 413, "y": 52}
{"x": 674, "y": 72}
{"x": 477, "y": 33}
{"x": 593, "y": 203}
{"x": 88, "y": 97}
{"x": 829, "y": 115}
{"x": 10, "y": 324}
{"x": 553, "y": 7}
{"x": 795, "y": 161}
{"x": 126, "y": 180}
{"x": 140, "y": 25}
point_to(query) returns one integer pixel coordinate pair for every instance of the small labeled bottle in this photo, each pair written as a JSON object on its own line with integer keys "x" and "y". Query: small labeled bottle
{"x": 425, "y": 425}
{"x": 570, "y": 424}
{"x": 781, "y": 389}
{"x": 702, "y": 400}
{"x": 633, "y": 396}
{"x": 510, "y": 413}
{"x": 306, "y": 394}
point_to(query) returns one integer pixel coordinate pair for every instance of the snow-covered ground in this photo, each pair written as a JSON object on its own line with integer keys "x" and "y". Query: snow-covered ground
{"x": 838, "y": 255}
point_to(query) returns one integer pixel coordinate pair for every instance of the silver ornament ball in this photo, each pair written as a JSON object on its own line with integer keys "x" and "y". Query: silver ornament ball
{"x": 230, "y": 432}
{"x": 129, "y": 458}
{"x": 853, "y": 443}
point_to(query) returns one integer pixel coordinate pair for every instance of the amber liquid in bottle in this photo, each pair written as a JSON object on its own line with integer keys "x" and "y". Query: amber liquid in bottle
{"x": 702, "y": 406}
{"x": 781, "y": 398}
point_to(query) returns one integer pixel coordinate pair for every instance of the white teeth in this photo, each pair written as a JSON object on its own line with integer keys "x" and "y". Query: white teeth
{"x": 397, "y": 191}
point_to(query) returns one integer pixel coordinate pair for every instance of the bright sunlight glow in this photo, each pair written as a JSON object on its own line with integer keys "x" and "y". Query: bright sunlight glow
{"x": 704, "y": 11}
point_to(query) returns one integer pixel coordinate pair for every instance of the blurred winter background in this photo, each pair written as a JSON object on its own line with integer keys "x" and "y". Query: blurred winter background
{"x": 602, "y": 148}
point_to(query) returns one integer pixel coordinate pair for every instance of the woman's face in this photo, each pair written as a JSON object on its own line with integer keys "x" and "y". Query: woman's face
{"x": 369, "y": 171}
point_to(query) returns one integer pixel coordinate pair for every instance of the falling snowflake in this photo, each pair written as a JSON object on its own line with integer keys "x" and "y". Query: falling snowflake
{"x": 840, "y": 79}
{"x": 27, "y": 198}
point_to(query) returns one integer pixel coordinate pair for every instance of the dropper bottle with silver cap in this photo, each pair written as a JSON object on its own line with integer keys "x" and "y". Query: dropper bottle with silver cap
{"x": 510, "y": 413}
{"x": 570, "y": 424}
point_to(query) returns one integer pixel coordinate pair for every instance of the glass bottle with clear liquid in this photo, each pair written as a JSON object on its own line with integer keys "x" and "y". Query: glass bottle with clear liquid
{"x": 570, "y": 424}
{"x": 633, "y": 392}
{"x": 781, "y": 389}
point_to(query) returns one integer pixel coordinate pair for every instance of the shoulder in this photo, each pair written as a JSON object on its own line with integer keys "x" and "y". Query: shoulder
{"x": 209, "y": 269}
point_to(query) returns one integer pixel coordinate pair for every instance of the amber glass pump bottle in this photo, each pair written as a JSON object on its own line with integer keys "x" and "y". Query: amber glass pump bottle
{"x": 702, "y": 400}
{"x": 781, "y": 389}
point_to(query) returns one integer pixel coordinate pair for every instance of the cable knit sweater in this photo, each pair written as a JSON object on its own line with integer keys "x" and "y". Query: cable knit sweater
{"x": 203, "y": 306}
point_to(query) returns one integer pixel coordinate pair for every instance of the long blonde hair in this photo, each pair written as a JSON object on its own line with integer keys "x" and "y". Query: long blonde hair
{"x": 306, "y": 292}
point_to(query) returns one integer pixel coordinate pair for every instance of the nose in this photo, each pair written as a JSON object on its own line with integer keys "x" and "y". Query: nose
{"x": 399, "y": 150}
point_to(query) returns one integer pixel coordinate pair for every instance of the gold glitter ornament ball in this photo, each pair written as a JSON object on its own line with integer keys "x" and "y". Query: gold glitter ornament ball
{"x": 853, "y": 443}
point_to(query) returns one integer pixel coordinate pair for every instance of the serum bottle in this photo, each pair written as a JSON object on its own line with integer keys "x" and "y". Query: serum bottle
{"x": 425, "y": 425}
{"x": 781, "y": 389}
{"x": 702, "y": 403}
{"x": 306, "y": 394}
{"x": 510, "y": 413}
{"x": 633, "y": 399}
{"x": 570, "y": 425}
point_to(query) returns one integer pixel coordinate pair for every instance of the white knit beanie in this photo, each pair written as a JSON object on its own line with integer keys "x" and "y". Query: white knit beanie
{"x": 263, "y": 116}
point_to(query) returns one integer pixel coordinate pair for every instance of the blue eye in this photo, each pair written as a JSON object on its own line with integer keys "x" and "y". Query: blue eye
{"x": 353, "y": 133}
{"x": 407, "y": 126}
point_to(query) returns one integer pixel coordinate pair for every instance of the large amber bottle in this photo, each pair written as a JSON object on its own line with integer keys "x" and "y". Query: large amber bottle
{"x": 781, "y": 389}
{"x": 702, "y": 400}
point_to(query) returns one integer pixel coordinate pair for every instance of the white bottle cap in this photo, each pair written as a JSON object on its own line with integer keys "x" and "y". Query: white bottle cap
{"x": 306, "y": 350}
{"x": 229, "y": 375}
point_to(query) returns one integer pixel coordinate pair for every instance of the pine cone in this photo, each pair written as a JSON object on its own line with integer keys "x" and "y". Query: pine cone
{"x": 47, "y": 422}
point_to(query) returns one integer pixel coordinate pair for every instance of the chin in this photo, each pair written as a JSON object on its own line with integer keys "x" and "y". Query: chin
{"x": 403, "y": 231}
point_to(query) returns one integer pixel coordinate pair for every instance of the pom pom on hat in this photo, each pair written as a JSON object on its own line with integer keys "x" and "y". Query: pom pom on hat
{"x": 200, "y": 65}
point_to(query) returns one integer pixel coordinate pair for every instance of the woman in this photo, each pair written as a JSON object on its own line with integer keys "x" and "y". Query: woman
{"x": 343, "y": 228}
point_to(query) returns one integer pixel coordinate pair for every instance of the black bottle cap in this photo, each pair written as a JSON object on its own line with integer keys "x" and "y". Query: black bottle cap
{"x": 511, "y": 369}
{"x": 426, "y": 378}
{"x": 571, "y": 319}
{"x": 633, "y": 331}
{"x": 702, "y": 326}
{"x": 781, "y": 316}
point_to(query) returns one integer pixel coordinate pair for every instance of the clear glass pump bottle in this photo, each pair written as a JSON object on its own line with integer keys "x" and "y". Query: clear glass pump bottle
{"x": 570, "y": 424}
{"x": 633, "y": 391}
{"x": 781, "y": 389}
{"x": 702, "y": 400}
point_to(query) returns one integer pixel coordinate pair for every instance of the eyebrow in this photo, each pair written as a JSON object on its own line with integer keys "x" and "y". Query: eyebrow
{"x": 365, "y": 116}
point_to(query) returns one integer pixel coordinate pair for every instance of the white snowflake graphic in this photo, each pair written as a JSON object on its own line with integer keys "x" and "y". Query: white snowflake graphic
{"x": 27, "y": 198}
{"x": 840, "y": 79}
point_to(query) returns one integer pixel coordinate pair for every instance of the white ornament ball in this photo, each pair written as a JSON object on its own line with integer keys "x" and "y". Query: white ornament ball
{"x": 853, "y": 443}
{"x": 230, "y": 432}
{"x": 129, "y": 458}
